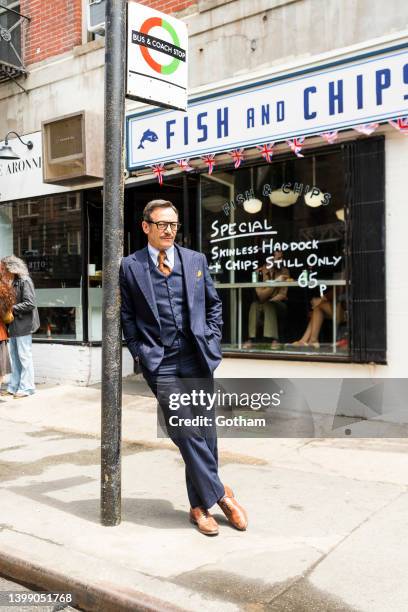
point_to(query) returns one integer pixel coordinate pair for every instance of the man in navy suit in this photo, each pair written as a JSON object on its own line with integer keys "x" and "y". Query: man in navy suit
{"x": 172, "y": 322}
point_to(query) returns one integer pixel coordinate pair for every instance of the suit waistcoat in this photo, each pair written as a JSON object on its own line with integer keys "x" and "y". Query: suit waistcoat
{"x": 171, "y": 300}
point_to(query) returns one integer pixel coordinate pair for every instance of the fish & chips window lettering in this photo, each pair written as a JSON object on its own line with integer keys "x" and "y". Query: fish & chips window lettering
{"x": 275, "y": 240}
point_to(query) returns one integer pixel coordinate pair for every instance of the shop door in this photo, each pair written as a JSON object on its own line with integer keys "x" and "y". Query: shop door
{"x": 215, "y": 192}
{"x": 180, "y": 191}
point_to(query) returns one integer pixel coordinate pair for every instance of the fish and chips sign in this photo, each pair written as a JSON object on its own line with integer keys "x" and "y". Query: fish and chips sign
{"x": 156, "y": 58}
{"x": 310, "y": 101}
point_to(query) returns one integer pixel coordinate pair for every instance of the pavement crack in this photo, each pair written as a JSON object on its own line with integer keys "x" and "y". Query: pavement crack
{"x": 5, "y": 527}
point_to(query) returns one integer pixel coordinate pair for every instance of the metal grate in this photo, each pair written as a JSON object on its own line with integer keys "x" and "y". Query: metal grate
{"x": 366, "y": 244}
{"x": 12, "y": 39}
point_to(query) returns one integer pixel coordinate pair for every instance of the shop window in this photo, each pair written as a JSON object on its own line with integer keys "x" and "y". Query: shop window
{"x": 73, "y": 202}
{"x": 28, "y": 245}
{"x": 275, "y": 239}
{"x": 28, "y": 208}
{"x": 74, "y": 242}
{"x": 58, "y": 323}
{"x": 46, "y": 234}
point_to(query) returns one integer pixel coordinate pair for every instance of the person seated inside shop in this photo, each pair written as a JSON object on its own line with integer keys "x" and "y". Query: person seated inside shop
{"x": 321, "y": 309}
{"x": 268, "y": 311}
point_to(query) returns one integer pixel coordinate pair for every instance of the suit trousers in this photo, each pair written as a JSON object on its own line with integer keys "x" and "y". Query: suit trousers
{"x": 180, "y": 371}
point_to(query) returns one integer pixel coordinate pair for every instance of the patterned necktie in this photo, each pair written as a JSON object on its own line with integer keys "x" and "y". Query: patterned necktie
{"x": 163, "y": 267}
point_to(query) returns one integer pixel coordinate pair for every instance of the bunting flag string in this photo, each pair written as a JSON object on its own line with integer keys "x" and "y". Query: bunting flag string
{"x": 184, "y": 165}
{"x": 366, "y": 128}
{"x": 296, "y": 145}
{"x": 266, "y": 151}
{"x": 400, "y": 124}
{"x": 209, "y": 160}
{"x": 330, "y": 137}
{"x": 237, "y": 157}
{"x": 158, "y": 170}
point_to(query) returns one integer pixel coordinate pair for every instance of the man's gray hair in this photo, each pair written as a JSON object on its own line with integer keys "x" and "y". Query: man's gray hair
{"x": 153, "y": 204}
{"x": 15, "y": 265}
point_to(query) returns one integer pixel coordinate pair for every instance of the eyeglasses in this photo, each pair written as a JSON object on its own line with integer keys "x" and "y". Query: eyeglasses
{"x": 163, "y": 225}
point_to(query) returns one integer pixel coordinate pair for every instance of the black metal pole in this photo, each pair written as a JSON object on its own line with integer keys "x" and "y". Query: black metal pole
{"x": 115, "y": 60}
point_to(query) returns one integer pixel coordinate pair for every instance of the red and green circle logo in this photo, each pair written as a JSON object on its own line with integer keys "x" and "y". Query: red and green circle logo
{"x": 145, "y": 29}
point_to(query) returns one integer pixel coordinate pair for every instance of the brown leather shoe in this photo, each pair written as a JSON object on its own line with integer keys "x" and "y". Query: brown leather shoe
{"x": 235, "y": 513}
{"x": 205, "y": 522}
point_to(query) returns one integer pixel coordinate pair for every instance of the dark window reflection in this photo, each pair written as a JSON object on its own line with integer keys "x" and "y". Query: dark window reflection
{"x": 47, "y": 235}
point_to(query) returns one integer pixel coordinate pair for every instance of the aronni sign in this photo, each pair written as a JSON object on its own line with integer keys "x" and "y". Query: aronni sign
{"x": 156, "y": 57}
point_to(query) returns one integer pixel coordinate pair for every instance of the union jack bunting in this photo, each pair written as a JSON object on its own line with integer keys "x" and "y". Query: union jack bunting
{"x": 366, "y": 128}
{"x": 184, "y": 165}
{"x": 296, "y": 145}
{"x": 400, "y": 124}
{"x": 209, "y": 160}
{"x": 330, "y": 137}
{"x": 266, "y": 151}
{"x": 158, "y": 170}
{"x": 237, "y": 157}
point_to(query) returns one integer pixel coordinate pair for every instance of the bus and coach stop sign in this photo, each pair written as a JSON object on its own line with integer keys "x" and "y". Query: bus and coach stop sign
{"x": 156, "y": 58}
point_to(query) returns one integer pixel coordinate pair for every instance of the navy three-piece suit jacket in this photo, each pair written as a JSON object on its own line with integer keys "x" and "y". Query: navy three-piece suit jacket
{"x": 140, "y": 317}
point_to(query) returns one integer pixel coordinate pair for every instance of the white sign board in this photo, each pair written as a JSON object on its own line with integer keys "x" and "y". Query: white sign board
{"x": 156, "y": 57}
{"x": 313, "y": 101}
{"x": 23, "y": 178}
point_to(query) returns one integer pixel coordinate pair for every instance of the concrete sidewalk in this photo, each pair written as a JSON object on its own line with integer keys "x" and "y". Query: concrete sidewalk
{"x": 328, "y": 518}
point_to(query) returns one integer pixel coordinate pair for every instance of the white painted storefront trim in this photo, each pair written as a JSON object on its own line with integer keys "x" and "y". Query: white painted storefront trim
{"x": 72, "y": 364}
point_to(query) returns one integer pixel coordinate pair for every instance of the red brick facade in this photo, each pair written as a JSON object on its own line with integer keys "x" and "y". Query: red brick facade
{"x": 56, "y": 25}
{"x": 168, "y": 6}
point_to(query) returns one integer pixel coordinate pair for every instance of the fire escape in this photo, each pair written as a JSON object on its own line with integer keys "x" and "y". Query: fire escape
{"x": 12, "y": 38}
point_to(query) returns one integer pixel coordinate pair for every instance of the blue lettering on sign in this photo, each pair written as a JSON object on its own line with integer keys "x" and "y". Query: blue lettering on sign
{"x": 336, "y": 97}
{"x": 186, "y": 130}
{"x": 405, "y": 76}
{"x": 306, "y": 109}
{"x": 265, "y": 114}
{"x": 359, "y": 91}
{"x": 222, "y": 122}
{"x": 169, "y": 131}
{"x": 250, "y": 117}
{"x": 202, "y": 127}
{"x": 280, "y": 110}
{"x": 382, "y": 81}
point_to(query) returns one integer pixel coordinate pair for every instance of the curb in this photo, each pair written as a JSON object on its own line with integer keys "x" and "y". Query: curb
{"x": 92, "y": 597}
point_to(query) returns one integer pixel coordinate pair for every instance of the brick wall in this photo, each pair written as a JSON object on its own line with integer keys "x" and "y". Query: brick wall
{"x": 168, "y": 6}
{"x": 55, "y": 27}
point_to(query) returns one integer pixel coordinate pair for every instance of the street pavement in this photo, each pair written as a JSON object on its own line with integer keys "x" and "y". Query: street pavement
{"x": 327, "y": 517}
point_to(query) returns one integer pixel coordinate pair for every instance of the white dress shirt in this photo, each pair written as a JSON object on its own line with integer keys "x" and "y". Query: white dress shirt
{"x": 154, "y": 254}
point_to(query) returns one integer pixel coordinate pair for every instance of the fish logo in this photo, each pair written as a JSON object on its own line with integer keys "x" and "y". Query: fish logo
{"x": 148, "y": 136}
